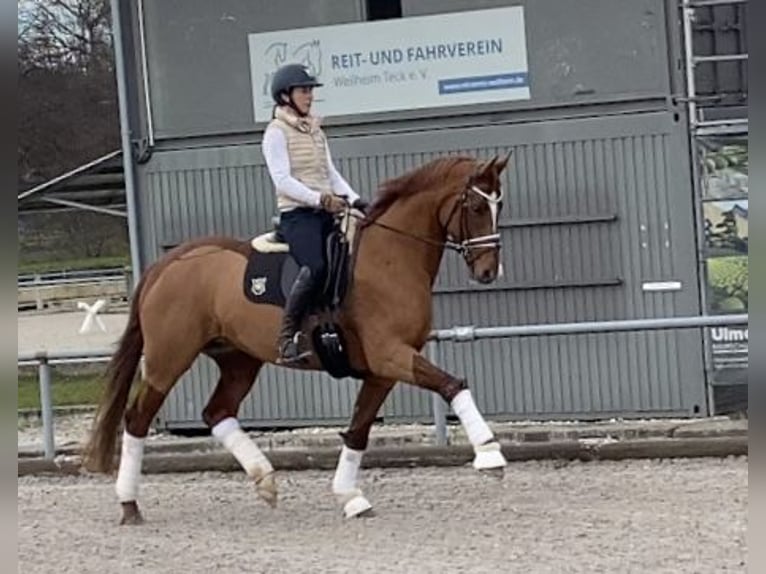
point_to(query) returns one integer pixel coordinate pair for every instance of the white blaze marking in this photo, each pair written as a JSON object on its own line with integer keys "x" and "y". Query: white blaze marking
{"x": 493, "y": 211}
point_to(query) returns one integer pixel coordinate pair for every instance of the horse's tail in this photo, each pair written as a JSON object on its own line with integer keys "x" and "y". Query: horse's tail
{"x": 100, "y": 450}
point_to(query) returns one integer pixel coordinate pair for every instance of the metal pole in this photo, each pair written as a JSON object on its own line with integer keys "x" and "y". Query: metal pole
{"x": 127, "y": 148}
{"x": 145, "y": 74}
{"x": 56, "y": 356}
{"x": 38, "y": 294}
{"x": 701, "y": 3}
{"x": 470, "y": 333}
{"x": 439, "y": 406}
{"x": 85, "y": 206}
{"x": 721, "y": 58}
{"x": 46, "y": 408}
{"x": 691, "y": 89}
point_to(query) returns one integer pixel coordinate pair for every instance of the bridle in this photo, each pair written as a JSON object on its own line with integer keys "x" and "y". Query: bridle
{"x": 465, "y": 246}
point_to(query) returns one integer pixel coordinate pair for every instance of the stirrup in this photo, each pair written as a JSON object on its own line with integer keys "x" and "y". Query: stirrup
{"x": 300, "y": 358}
{"x": 297, "y": 357}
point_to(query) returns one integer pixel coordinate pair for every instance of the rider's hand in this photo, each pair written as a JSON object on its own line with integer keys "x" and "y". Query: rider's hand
{"x": 361, "y": 205}
{"x": 332, "y": 203}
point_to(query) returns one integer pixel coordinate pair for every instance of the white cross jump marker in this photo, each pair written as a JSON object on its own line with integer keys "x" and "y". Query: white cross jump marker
{"x": 91, "y": 314}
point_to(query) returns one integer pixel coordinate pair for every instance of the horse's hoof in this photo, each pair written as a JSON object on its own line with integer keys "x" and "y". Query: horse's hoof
{"x": 131, "y": 516}
{"x": 266, "y": 488}
{"x": 489, "y": 456}
{"x": 496, "y": 473}
{"x": 358, "y": 507}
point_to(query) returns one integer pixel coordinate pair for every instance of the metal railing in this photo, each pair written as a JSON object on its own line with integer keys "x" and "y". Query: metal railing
{"x": 74, "y": 276}
{"x": 41, "y": 289}
{"x": 469, "y": 333}
{"x": 44, "y": 360}
{"x": 461, "y": 334}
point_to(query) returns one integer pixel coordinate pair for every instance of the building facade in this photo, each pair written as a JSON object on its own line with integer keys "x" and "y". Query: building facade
{"x": 603, "y": 216}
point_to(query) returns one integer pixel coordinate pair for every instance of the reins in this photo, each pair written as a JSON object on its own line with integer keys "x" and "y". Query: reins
{"x": 465, "y": 246}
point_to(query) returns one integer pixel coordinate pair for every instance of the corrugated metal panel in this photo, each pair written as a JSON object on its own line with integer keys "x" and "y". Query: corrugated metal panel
{"x": 583, "y": 376}
{"x": 593, "y": 210}
{"x": 586, "y": 223}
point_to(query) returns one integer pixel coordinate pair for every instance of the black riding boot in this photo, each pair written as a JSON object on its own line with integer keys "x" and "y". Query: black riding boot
{"x": 295, "y": 307}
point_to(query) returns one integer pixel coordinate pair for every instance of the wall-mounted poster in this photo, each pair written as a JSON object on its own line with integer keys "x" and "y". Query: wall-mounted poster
{"x": 724, "y": 171}
{"x": 726, "y": 227}
{"x": 724, "y": 167}
{"x": 727, "y": 281}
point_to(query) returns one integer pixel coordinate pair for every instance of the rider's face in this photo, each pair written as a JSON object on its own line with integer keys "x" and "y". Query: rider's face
{"x": 303, "y": 96}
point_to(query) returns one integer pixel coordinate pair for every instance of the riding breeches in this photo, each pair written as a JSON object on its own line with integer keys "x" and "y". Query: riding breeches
{"x": 305, "y": 230}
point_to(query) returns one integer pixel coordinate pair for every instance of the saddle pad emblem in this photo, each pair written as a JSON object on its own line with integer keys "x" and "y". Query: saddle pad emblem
{"x": 258, "y": 286}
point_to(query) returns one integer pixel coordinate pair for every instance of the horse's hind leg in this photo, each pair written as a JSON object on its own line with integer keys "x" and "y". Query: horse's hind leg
{"x": 238, "y": 372}
{"x": 138, "y": 419}
{"x": 162, "y": 370}
{"x": 370, "y": 398}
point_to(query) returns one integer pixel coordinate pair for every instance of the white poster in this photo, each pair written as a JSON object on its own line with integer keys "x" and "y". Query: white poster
{"x": 400, "y": 64}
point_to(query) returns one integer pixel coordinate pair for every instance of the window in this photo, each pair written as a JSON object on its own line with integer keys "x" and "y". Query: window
{"x": 383, "y": 9}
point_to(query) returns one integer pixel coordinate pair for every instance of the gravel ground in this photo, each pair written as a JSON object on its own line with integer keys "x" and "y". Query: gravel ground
{"x": 69, "y": 430}
{"x": 672, "y": 516}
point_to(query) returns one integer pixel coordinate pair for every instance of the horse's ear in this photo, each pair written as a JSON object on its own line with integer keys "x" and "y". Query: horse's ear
{"x": 484, "y": 168}
{"x": 501, "y": 164}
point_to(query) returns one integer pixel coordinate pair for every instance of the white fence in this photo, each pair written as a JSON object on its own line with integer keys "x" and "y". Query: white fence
{"x": 73, "y": 276}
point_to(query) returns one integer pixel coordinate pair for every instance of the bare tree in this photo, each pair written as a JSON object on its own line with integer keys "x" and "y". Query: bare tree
{"x": 68, "y": 103}
{"x": 68, "y": 115}
{"x": 66, "y": 33}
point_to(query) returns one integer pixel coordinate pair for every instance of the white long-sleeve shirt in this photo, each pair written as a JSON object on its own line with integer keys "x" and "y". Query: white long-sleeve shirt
{"x": 275, "y": 152}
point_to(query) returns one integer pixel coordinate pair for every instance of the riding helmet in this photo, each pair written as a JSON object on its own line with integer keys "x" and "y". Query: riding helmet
{"x": 288, "y": 77}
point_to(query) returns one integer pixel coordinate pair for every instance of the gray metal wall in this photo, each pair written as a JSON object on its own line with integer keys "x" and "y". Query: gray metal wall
{"x": 199, "y": 74}
{"x": 199, "y": 71}
{"x": 595, "y": 207}
{"x": 599, "y": 201}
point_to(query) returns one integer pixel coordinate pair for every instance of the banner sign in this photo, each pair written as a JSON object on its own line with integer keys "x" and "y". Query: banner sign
{"x": 400, "y": 64}
{"x": 729, "y": 348}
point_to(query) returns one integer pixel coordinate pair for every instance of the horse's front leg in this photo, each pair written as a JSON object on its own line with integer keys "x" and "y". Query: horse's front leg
{"x": 406, "y": 364}
{"x": 370, "y": 398}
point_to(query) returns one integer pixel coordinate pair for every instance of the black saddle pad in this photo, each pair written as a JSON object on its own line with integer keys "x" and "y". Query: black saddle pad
{"x": 269, "y": 277}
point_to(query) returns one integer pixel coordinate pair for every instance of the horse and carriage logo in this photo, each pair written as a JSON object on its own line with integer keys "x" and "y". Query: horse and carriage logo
{"x": 279, "y": 53}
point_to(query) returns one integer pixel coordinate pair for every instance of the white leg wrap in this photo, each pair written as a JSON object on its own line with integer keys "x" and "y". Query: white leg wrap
{"x": 475, "y": 427}
{"x": 247, "y": 453}
{"x": 347, "y": 470}
{"x": 130, "y": 468}
{"x": 344, "y": 484}
{"x": 489, "y": 456}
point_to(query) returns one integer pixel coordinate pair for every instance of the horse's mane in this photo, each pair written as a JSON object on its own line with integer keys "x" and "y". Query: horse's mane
{"x": 434, "y": 172}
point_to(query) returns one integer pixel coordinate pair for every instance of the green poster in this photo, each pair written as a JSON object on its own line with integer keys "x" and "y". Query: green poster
{"x": 725, "y": 215}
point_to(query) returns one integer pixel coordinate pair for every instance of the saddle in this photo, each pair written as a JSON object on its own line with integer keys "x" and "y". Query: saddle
{"x": 271, "y": 271}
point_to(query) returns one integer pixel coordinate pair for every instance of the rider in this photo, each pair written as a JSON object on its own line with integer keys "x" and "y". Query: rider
{"x": 309, "y": 191}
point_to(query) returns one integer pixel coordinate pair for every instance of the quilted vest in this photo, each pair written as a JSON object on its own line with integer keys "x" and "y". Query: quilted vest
{"x": 306, "y": 146}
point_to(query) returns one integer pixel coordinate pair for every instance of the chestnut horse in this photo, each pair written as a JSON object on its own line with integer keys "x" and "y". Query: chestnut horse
{"x": 191, "y": 301}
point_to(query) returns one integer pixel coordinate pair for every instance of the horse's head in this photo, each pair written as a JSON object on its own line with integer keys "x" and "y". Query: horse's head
{"x": 472, "y": 219}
